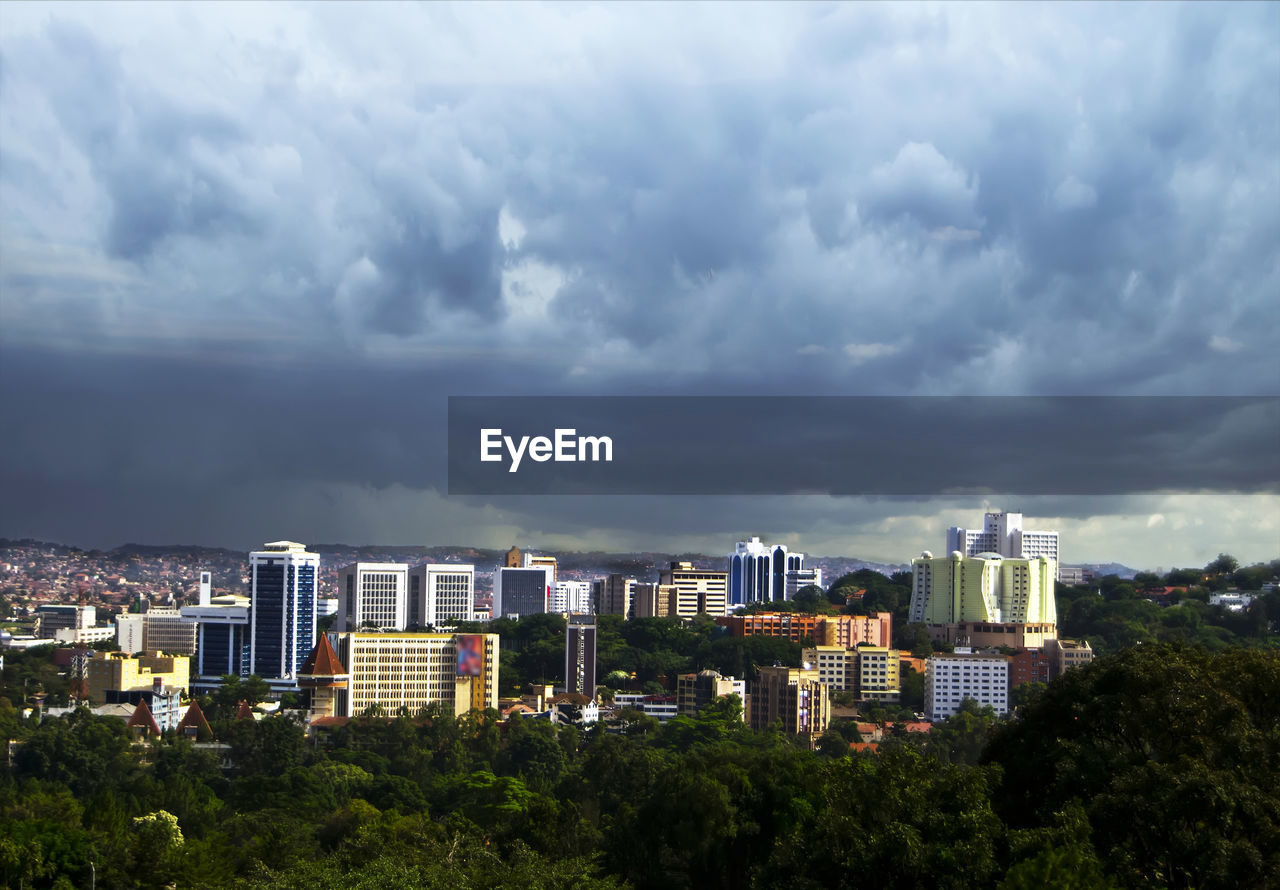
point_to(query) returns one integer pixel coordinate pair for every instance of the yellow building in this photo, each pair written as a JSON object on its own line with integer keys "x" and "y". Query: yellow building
{"x": 879, "y": 670}
{"x": 411, "y": 670}
{"x": 123, "y": 672}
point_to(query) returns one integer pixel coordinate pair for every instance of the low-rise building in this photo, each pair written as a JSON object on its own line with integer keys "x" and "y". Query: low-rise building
{"x": 1064, "y": 655}
{"x": 695, "y": 691}
{"x": 121, "y": 672}
{"x": 878, "y": 674}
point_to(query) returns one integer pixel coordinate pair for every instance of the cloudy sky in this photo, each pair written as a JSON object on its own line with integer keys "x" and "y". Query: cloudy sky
{"x": 248, "y": 251}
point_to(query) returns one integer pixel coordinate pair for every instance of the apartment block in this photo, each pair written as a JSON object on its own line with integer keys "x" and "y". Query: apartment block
{"x": 695, "y": 691}
{"x": 879, "y": 672}
{"x": 613, "y": 595}
{"x": 952, "y": 678}
{"x": 1063, "y": 655}
{"x": 794, "y": 697}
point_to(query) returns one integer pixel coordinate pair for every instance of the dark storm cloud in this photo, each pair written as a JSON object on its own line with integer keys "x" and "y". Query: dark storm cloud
{"x": 328, "y": 218}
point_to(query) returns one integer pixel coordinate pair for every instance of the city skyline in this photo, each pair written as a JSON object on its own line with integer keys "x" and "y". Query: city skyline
{"x": 250, "y": 250}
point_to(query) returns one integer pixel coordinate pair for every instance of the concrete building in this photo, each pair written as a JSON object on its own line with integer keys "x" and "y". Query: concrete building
{"x": 283, "y": 580}
{"x": 120, "y": 672}
{"x": 1003, "y": 534}
{"x": 695, "y": 691}
{"x": 697, "y": 591}
{"x": 157, "y": 629}
{"x": 837, "y": 666}
{"x": 373, "y": 595}
{"x": 522, "y": 591}
{"x": 653, "y": 600}
{"x": 613, "y": 595}
{"x": 86, "y": 635}
{"x": 1028, "y": 666}
{"x": 799, "y": 579}
{"x": 571, "y": 597}
{"x": 537, "y": 561}
{"x": 222, "y": 640}
{"x": 580, "y": 656}
{"x": 879, "y": 671}
{"x": 661, "y": 707}
{"x": 1063, "y": 655}
{"x": 411, "y": 670}
{"x": 53, "y": 617}
{"x": 952, "y": 678}
{"x": 794, "y": 697}
{"x": 758, "y": 572}
{"x": 844, "y": 631}
{"x": 441, "y": 594}
{"x": 984, "y": 588}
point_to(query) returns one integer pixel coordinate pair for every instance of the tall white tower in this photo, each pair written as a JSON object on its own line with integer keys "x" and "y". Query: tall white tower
{"x": 283, "y": 578}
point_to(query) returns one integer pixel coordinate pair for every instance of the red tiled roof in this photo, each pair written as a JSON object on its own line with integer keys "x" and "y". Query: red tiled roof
{"x": 245, "y": 711}
{"x": 194, "y": 719}
{"x": 323, "y": 661}
{"x": 330, "y": 721}
{"x": 142, "y": 717}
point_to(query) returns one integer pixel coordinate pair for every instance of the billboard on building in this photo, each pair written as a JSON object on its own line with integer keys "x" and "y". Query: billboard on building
{"x": 470, "y": 655}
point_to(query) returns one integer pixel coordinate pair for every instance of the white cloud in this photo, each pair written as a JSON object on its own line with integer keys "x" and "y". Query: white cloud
{"x": 1226, "y": 345}
{"x": 1072, "y": 194}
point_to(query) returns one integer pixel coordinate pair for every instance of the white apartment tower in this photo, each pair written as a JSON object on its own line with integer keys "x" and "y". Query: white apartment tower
{"x": 951, "y": 678}
{"x": 373, "y": 595}
{"x": 1002, "y": 533}
{"x": 441, "y": 594}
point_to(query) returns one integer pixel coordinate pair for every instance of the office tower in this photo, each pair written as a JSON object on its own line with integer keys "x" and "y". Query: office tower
{"x": 758, "y": 572}
{"x": 571, "y": 596}
{"x": 441, "y": 594}
{"x": 373, "y": 594}
{"x": 613, "y": 595}
{"x": 580, "y": 656}
{"x": 222, "y": 640}
{"x": 1004, "y": 600}
{"x": 413, "y": 670}
{"x": 951, "y": 678}
{"x": 206, "y": 589}
{"x": 697, "y": 591}
{"x": 1003, "y": 534}
{"x": 795, "y": 698}
{"x": 282, "y": 623}
{"x": 521, "y": 591}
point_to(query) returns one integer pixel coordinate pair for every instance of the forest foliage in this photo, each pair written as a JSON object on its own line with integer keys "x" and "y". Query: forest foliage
{"x": 1156, "y": 766}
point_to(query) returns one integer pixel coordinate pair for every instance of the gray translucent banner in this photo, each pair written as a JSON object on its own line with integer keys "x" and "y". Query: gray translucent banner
{"x": 862, "y": 445}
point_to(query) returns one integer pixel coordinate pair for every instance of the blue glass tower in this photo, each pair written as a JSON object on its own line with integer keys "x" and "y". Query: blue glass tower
{"x": 282, "y": 584}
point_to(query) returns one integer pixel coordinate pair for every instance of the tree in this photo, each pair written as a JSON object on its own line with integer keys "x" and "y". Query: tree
{"x": 1225, "y": 564}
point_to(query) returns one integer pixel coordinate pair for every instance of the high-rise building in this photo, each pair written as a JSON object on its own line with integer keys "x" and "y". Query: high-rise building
{"x": 571, "y": 596}
{"x": 613, "y": 595}
{"x": 441, "y": 594}
{"x": 283, "y": 578}
{"x": 799, "y": 579}
{"x": 878, "y": 674}
{"x": 758, "y": 572}
{"x": 984, "y": 591}
{"x": 411, "y": 670}
{"x": 1003, "y": 534}
{"x": 794, "y": 697}
{"x": 580, "y": 656}
{"x": 373, "y": 594}
{"x": 952, "y": 678}
{"x": 521, "y": 591}
{"x": 697, "y": 591}
{"x": 837, "y": 666}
